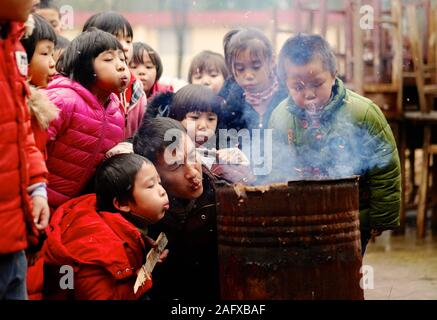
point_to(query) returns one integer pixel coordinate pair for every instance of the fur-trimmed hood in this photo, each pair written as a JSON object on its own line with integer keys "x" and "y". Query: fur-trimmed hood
{"x": 41, "y": 107}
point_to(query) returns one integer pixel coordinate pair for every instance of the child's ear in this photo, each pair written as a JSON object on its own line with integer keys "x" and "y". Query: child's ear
{"x": 120, "y": 206}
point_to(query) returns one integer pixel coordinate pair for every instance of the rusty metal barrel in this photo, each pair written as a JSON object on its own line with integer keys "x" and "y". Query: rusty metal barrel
{"x": 295, "y": 240}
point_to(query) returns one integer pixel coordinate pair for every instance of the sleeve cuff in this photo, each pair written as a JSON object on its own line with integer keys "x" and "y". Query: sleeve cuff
{"x": 38, "y": 189}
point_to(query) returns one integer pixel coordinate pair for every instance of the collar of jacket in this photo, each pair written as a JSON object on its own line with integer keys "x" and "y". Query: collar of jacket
{"x": 336, "y": 101}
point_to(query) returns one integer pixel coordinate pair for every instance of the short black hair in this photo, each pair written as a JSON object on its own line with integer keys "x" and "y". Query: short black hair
{"x": 61, "y": 42}
{"x": 205, "y": 61}
{"x": 190, "y": 98}
{"x": 137, "y": 57}
{"x": 238, "y": 40}
{"x": 150, "y": 142}
{"x": 115, "y": 178}
{"x": 111, "y": 22}
{"x": 42, "y": 31}
{"x": 302, "y": 49}
{"x": 77, "y": 60}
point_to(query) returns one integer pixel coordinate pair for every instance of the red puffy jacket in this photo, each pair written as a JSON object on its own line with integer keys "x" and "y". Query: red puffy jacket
{"x": 21, "y": 163}
{"x": 104, "y": 249}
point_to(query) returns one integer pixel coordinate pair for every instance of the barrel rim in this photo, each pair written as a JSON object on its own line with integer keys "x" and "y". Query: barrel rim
{"x": 256, "y": 188}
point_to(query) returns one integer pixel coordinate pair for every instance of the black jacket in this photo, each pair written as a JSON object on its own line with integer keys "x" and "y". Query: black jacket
{"x": 191, "y": 268}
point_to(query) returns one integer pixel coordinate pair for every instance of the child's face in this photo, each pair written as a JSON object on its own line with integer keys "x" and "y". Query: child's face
{"x": 309, "y": 85}
{"x": 182, "y": 177}
{"x": 112, "y": 73}
{"x": 200, "y": 126}
{"x": 212, "y": 78}
{"x": 52, "y": 16}
{"x": 251, "y": 73}
{"x": 146, "y": 72}
{"x": 127, "y": 44}
{"x": 15, "y": 10}
{"x": 42, "y": 64}
{"x": 150, "y": 198}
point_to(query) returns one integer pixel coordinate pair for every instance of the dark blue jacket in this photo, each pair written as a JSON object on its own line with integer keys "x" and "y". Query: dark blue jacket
{"x": 239, "y": 114}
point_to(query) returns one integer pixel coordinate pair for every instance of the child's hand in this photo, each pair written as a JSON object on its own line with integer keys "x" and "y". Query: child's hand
{"x": 233, "y": 173}
{"x": 122, "y": 147}
{"x": 232, "y": 156}
{"x": 152, "y": 243}
{"x": 163, "y": 256}
{"x": 40, "y": 212}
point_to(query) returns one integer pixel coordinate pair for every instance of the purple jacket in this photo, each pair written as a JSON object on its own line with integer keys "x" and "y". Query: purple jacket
{"x": 79, "y": 138}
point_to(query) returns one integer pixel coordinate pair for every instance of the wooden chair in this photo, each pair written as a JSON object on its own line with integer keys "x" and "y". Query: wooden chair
{"x": 425, "y": 79}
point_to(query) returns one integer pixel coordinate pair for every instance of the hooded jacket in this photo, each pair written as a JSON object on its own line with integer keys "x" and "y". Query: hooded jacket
{"x": 103, "y": 248}
{"x": 21, "y": 163}
{"x": 42, "y": 111}
{"x": 78, "y": 138}
{"x": 133, "y": 105}
{"x": 353, "y": 138}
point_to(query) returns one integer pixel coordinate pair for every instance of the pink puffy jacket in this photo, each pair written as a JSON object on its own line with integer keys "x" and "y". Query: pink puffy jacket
{"x": 79, "y": 138}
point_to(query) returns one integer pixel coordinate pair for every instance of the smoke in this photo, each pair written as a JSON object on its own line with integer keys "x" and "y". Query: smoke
{"x": 339, "y": 150}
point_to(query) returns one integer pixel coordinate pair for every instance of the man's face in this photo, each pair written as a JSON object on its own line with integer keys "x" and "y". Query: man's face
{"x": 181, "y": 170}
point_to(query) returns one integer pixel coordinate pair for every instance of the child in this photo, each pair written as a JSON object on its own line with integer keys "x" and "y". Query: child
{"x": 100, "y": 235}
{"x": 252, "y": 91}
{"x": 198, "y": 108}
{"x": 209, "y": 69}
{"x": 51, "y": 13}
{"x": 90, "y": 123}
{"x": 147, "y": 67}
{"x": 39, "y": 48}
{"x": 191, "y": 269}
{"x": 331, "y": 129}
{"x": 133, "y": 98}
{"x": 23, "y": 200}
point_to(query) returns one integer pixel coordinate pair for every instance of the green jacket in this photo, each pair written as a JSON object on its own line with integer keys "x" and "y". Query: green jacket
{"x": 352, "y": 138}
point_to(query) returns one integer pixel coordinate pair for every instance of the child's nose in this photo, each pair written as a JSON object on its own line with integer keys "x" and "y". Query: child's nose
{"x": 249, "y": 75}
{"x": 121, "y": 66}
{"x": 206, "y": 81}
{"x": 52, "y": 62}
{"x": 201, "y": 124}
{"x": 310, "y": 93}
{"x": 162, "y": 191}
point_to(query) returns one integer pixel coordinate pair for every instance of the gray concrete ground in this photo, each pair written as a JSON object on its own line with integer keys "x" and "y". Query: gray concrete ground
{"x": 404, "y": 268}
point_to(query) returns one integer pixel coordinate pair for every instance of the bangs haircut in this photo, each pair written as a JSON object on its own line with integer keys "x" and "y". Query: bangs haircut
{"x": 302, "y": 49}
{"x": 194, "y": 98}
{"x": 139, "y": 48}
{"x": 77, "y": 60}
{"x": 237, "y": 41}
{"x": 115, "y": 178}
{"x": 42, "y": 31}
{"x": 111, "y": 22}
{"x": 207, "y": 61}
